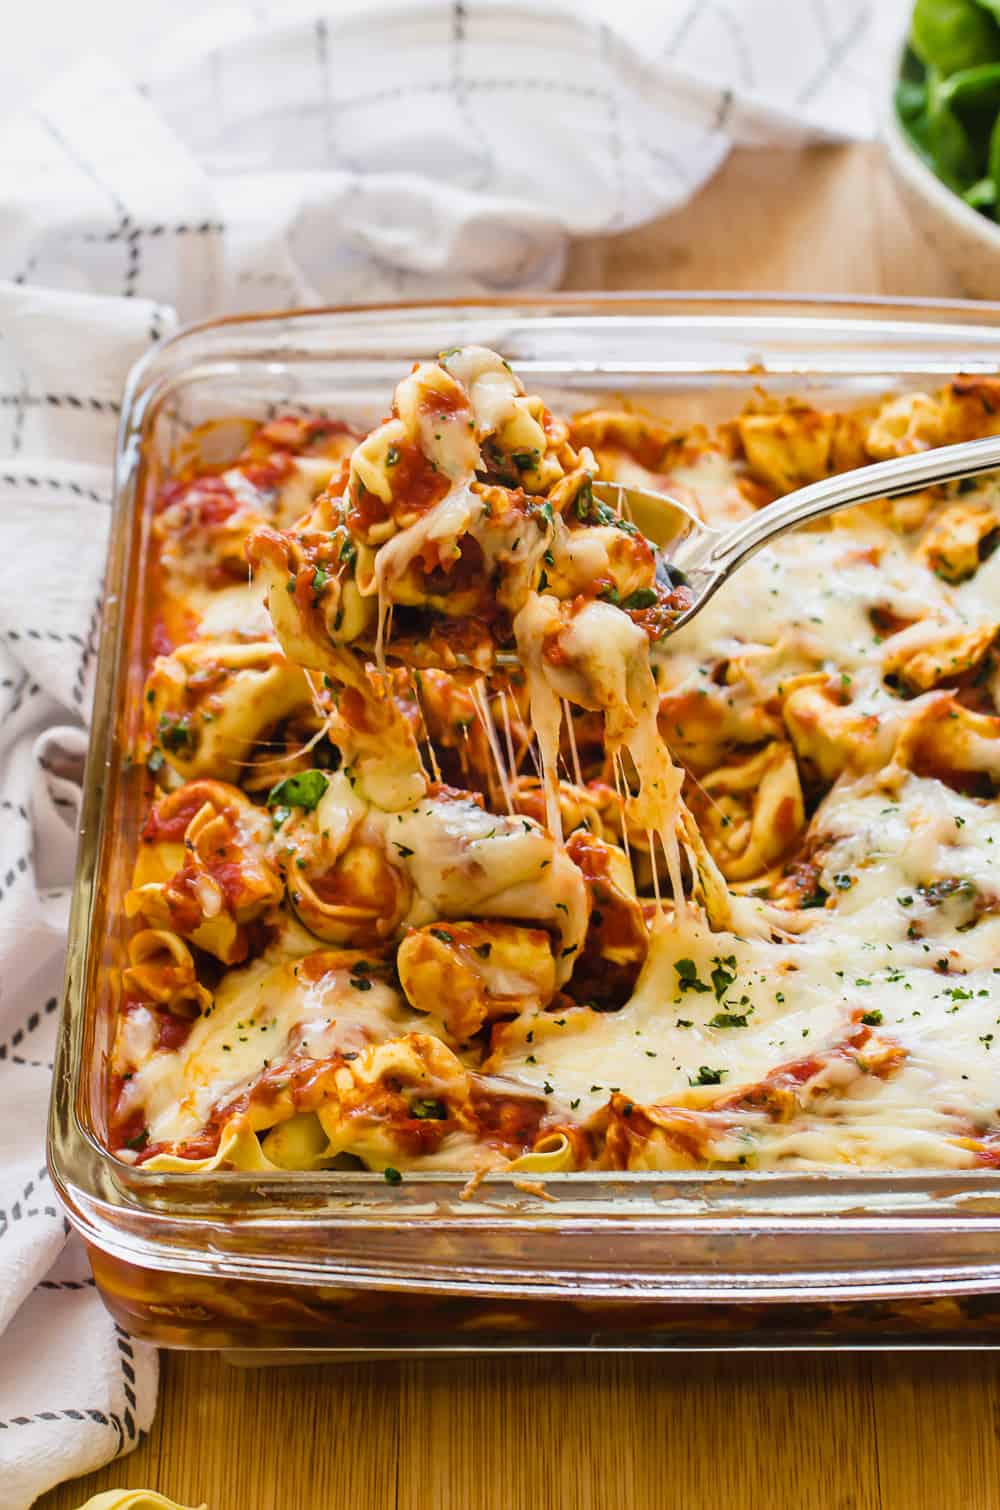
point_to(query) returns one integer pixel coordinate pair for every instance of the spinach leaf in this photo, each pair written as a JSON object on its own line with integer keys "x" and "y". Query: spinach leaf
{"x": 953, "y": 34}
{"x": 973, "y": 98}
{"x": 982, "y": 195}
{"x": 951, "y": 148}
{"x": 303, "y": 790}
{"x": 993, "y": 160}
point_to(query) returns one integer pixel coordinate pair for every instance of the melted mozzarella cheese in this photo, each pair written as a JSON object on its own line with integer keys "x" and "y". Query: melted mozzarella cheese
{"x": 261, "y": 1015}
{"x": 466, "y": 862}
{"x": 812, "y": 603}
{"x": 604, "y": 665}
{"x": 799, "y": 997}
{"x": 491, "y": 386}
{"x": 910, "y": 936}
{"x": 239, "y": 609}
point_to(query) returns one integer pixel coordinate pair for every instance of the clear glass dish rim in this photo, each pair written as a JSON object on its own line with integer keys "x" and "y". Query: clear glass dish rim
{"x": 79, "y": 1162}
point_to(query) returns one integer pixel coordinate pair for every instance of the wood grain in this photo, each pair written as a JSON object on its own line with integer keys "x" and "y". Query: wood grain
{"x": 835, "y": 1432}
{"x": 822, "y": 220}
{"x": 674, "y": 1432}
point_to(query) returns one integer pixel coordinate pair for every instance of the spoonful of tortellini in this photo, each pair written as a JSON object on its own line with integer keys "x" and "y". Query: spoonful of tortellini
{"x": 691, "y": 554}
{"x": 470, "y": 531}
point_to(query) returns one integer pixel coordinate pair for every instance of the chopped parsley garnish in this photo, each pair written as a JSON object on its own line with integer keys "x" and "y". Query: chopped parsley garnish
{"x": 707, "y": 1076}
{"x": 175, "y": 734}
{"x": 392, "y": 1176}
{"x": 729, "y": 1020}
{"x": 723, "y": 974}
{"x": 139, "y": 1141}
{"x": 440, "y": 933}
{"x": 872, "y": 1019}
{"x": 688, "y": 978}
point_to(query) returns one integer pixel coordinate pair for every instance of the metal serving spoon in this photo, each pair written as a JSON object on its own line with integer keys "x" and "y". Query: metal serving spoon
{"x": 708, "y": 557}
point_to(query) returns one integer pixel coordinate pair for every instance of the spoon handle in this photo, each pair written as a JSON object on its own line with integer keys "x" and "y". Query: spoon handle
{"x": 883, "y": 479}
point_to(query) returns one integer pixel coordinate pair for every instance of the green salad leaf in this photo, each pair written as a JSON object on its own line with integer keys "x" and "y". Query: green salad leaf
{"x": 953, "y": 34}
{"x": 948, "y": 96}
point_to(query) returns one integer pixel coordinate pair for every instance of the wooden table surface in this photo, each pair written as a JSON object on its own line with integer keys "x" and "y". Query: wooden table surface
{"x": 840, "y": 1432}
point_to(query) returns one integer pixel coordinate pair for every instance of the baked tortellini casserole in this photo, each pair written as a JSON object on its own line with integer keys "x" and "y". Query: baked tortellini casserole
{"x": 456, "y": 858}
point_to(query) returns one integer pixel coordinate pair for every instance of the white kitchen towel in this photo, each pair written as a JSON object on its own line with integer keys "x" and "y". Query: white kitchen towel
{"x": 264, "y": 159}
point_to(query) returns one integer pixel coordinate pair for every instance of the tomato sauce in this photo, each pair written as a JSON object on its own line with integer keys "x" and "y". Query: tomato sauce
{"x": 174, "y": 1030}
{"x": 416, "y": 484}
{"x": 171, "y": 828}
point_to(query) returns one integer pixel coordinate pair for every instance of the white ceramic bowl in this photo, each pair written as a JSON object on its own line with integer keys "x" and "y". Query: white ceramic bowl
{"x": 965, "y": 240}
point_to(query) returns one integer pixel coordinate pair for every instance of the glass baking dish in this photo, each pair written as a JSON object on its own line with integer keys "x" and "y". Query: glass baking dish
{"x": 336, "y": 1260}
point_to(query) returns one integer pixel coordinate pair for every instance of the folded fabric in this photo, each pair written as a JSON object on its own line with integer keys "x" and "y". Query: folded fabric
{"x": 269, "y": 159}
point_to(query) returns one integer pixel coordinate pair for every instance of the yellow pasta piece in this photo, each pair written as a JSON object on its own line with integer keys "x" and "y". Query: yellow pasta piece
{"x": 830, "y": 736}
{"x": 913, "y": 422}
{"x": 751, "y": 812}
{"x": 959, "y": 538}
{"x": 224, "y": 880}
{"x": 161, "y": 969}
{"x": 298, "y": 1143}
{"x": 789, "y": 448}
{"x": 239, "y": 1148}
{"x": 467, "y": 973}
{"x": 945, "y": 658}
{"x": 208, "y": 703}
{"x": 550, "y": 1155}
